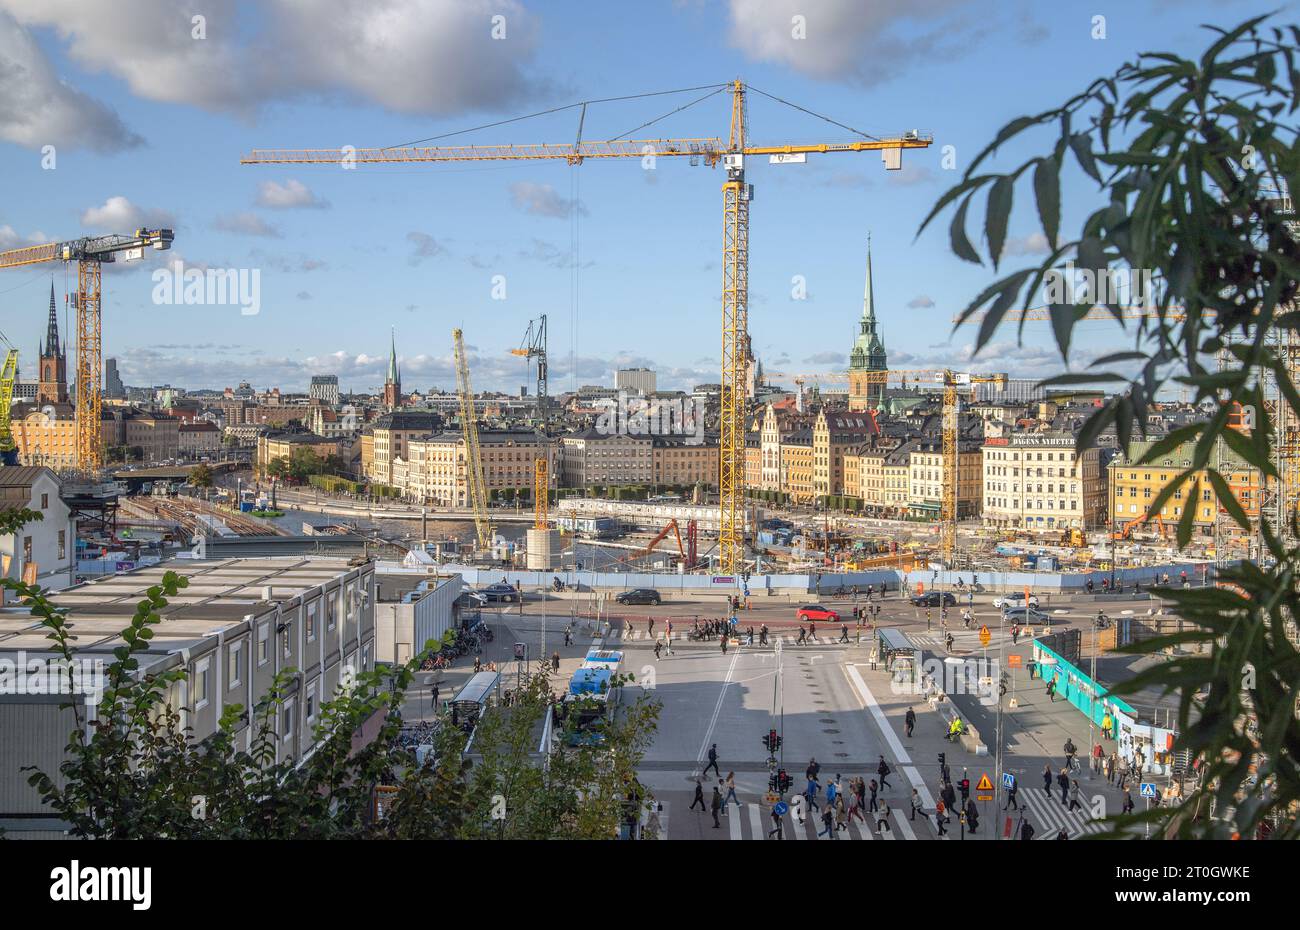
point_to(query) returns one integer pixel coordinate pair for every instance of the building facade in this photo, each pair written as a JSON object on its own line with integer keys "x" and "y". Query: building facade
{"x": 868, "y": 361}
{"x": 594, "y": 458}
{"x": 1133, "y": 488}
{"x": 926, "y": 477}
{"x": 1037, "y": 482}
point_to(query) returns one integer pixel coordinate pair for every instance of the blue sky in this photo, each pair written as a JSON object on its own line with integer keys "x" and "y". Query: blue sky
{"x": 149, "y": 123}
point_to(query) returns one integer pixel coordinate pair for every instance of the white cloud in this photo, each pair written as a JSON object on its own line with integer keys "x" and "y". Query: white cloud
{"x": 1032, "y": 244}
{"x": 120, "y": 215}
{"x": 10, "y": 238}
{"x": 255, "y": 53}
{"x": 425, "y": 246}
{"x": 291, "y": 194}
{"x": 542, "y": 200}
{"x": 846, "y": 39}
{"x": 921, "y": 301}
{"x": 39, "y": 109}
{"x": 245, "y": 223}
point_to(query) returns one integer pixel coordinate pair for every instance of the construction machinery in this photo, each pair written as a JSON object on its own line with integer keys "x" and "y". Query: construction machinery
{"x": 534, "y": 347}
{"x": 737, "y": 194}
{"x": 473, "y": 456}
{"x": 89, "y": 253}
{"x": 8, "y": 375}
{"x": 541, "y": 491}
{"x": 671, "y": 527}
{"x": 1129, "y": 527}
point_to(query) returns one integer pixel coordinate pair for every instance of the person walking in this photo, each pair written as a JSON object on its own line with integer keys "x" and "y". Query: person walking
{"x": 810, "y": 795}
{"x": 1011, "y": 795}
{"x": 855, "y": 803}
{"x": 1127, "y": 807}
{"x": 909, "y": 722}
{"x": 730, "y": 784}
{"x": 940, "y": 817}
{"x": 882, "y": 819}
{"x": 832, "y": 791}
{"x": 555, "y": 661}
{"x": 813, "y": 770}
{"x": 659, "y": 648}
{"x": 1074, "y": 795}
{"x": 916, "y": 805}
{"x": 1026, "y": 830}
{"x": 650, "y": 626}
{"x": 841, "y": 815}
{"x": 568, "y": 636}
{"x": 874, "y": 804}
{"x": 972, "y": 816}
{"x": 828, "y": 823}
{"x": 723, "y": 641}
{"x": 883, "y": 771}
{"x": 778, "y": 825}
{"x": 1047, "y": 779}
{"x": 1051, "y": 690}
{"x": 713, "y": 762}
{"x": 715, "y": 806}
{"x": 1063, "y": 781}
{"x": 844, "y": 633}
{"x": 699, "y": 796}
{"x": 803, "y": 636}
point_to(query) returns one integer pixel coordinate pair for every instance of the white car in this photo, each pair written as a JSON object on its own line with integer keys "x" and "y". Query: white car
{"x": 1015, "y": 600}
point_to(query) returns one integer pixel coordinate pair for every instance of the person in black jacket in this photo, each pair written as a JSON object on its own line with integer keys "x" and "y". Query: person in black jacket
{"x": 1026, "y": 830}
{"x": 909, "y": 722}
{"x": 1063, "y": 782}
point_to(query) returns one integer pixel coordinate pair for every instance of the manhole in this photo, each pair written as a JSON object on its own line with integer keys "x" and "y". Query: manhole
{"x": 841, "y": 755}
{"x": 829, "y": 730}
{"x": 825, "y": 719}
{"x": 837, "y": 742}
{"x": 819, "y": 702}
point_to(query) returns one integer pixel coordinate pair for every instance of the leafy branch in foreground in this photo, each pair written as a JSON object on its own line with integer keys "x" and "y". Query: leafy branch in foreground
{"x": 1194, "y": 159}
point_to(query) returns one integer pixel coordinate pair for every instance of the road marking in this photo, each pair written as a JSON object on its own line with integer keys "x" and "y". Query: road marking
{"x": 717, "y": 710}
{"x": 733, "y": 824}
{"x": 903, "y": 824}
{"x": 896, "y": 747}
{"x": 756, "y": 822}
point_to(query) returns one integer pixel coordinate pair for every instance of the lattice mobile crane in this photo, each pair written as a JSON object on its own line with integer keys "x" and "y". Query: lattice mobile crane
{"x": 473, "y": 457}
{"x": 736, "y": 196}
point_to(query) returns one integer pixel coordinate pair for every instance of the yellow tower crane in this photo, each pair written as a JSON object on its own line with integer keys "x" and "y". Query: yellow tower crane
{"x": 89, "y": 253}
{"x": 736, "y": 195}
{"x": 8, "y": 375}
{"x": 541, "y": 491}
{"x": 473, "y": 457}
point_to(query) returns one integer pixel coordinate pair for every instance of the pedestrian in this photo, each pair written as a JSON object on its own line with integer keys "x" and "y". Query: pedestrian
{"x": 777, "y": 825}
{"x": 855, "y": 803}
{"x": 1074, "y": 795}
{"x": 699, "y": 795}
{"x": 568, "y": 636}
{"x": 715, "y": 806}
{"x": 1011, "y": 796}
{"x": 730, "y": 783}
{"x": 1062, "y": 835}
{"x": 940, "y": 817}
{"x": 883, "y": 771}
{"x": 1107, "y": 726}
{"x": 882, "y": 819}
{"x": 909, "y": 722}
{"x": 650, "y": 626}
{"x": 828, "y": 823}
{"x": 1047, "y": 779}
{"x": 916, "y": 805}
{"x": 972, "y": 817}
{"x": 832, "y": 790}
{"x": 803, "y": 636}
{"x": 1063, "y": 780}
{"x": 1051, "y": 690}
{"x": 813, "y": 770}
{"x": 1127, "y": 808}
{"x": 873, "y": 805}
{"x": 724, "y": 643}
{"x": 1026, "y": 830}
{"x": 433, "y": 696}
{"x": 810, "y": 794}
{"x": 841, "y": 815}
{"x": 713, "y": 762}
{"x": 555, "y": 661}
{"x": 844, "y": 632}
{"x": 659, "y": 648}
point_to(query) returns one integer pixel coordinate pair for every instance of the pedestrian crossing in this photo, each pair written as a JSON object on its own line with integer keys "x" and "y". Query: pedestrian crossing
{"x": 963, "y": 639}
{"x": 1049, "y": 816}
{"x": 792, "y": 639}
{"x": 754, "y": 822}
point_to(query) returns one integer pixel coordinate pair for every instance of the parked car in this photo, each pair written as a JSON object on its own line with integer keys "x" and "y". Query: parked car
{"x": 498, "y": 593}
{"x": 935, "y": 599}
{"x": 1015, "y": 599}
{"x": 816, "y": 612}
{"x": 639, "y": 596}
{"x": 1025, "y": 615}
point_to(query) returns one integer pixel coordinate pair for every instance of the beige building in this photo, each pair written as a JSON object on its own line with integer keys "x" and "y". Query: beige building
{"x": 389, "y": 437}
{"x": 836, "y": 434}
{"x": 678, "y": 461}
{"x": 1036, "y": 481}
{"x": 926, "y": 479}
{"x": 797, "y": 465}
{"x": 593, "y": 458}
{"x": 879, "y": 478}
{"x": 438, "y": 473}
{"x": 272, "y": 446}
{"x": 198, "y": 439}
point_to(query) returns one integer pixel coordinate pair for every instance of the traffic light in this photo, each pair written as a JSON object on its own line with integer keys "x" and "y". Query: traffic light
{"x": 772, "y": 741}
{"x": 783, "y": 781}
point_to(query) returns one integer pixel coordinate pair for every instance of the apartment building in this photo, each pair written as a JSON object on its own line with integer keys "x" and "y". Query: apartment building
{"x": 272, "y": 446}
{"x": 595, "y": 458}
{"x": 797, "y": 465}
{"x": 926, "y": 476}
{"x": 676, "y": 460}
{"x": 238, "y": 624}
{"x": 834, "y": 435}
{"x": 390, "y": 434}
{"x": 198, "y": 439}
{"x": 878, "y": 476}
{"x": 437, "y": 471}
{"x": 1133, "y": 488}
{"x": 1036, "y": 481}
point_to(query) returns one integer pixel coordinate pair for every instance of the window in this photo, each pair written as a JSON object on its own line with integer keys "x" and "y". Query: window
{"x": 286, "y": 640}
{"x": 201, "y": 695}
{"x": 311, "y": 624}
{"x": 27, "y": 549}
{"x": 310, "y": 702}
{"x": 331, "y": 610}
{"x": 263, "y": 643}
{"x": 45, "y": 502}
{"x": 287, "y": 716}
{"x": 63, "y": 543}
{"x": 234, "y": 652}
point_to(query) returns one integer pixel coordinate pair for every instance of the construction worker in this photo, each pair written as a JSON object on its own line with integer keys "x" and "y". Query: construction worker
{"x": 955, "y": 729}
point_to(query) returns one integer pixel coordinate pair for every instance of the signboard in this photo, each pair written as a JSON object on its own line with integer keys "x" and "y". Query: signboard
{"x": 521, "y": 651}
{"x": 781, "y": 808}
{"x": 724, "y": 579}
{"x": 984, "y": 783}
{"x": 123, "y": 566}
{"x": 787, "y": 158}
{"x": 1008, "y": 780}
{"x": 985, "y": 636}
{"x": 1148, "y": 789}
{"x": 1015, "y": 661}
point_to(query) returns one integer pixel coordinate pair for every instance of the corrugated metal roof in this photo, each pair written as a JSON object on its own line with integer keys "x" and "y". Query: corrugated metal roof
{"x": 20, "y": 476}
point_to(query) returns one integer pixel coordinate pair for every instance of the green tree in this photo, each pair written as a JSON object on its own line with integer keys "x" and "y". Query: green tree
{"x": 1193, "y": 160}
{"x": 201, "y": 476}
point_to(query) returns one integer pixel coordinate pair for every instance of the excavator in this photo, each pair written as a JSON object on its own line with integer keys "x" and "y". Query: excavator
{"x": 672, "y": 527}
{"x": 1134, "y": 524}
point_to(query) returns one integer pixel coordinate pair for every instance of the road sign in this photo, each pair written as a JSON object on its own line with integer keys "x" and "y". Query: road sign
{"x": 983, "y": 797}
{"x": 984, "y": 783}
{"x": 1015, "y": 661}
{"x": 1008, "y": 780}
{"x": 781, "y": 808}
{"x": 984, "y": 636}
{"x": 1148, "y": 789}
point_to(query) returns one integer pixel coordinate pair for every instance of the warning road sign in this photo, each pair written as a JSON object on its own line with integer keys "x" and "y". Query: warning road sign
{"x": 1148, "y": 789}
{"x": 984, "y": 783}
{"x": 984, "y": 636}
{"x": 1015, "y": 661}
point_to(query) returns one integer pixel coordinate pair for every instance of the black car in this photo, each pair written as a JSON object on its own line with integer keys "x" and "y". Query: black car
{"x": 639, "y": 596}
{"x": 933, "y": 599}
{"x": 502, "y": 593}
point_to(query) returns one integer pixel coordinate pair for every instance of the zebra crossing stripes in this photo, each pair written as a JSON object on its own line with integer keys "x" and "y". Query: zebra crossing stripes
{"x": 642, "y": 635}
{"x": 1049, "y": 816}
{"x": 753, "y": 822}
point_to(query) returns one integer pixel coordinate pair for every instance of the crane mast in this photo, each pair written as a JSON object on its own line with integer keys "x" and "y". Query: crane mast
{"x": 473, "y": 457}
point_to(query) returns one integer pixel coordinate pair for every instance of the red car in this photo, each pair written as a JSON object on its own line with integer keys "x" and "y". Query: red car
{"x": 817, "y": 613}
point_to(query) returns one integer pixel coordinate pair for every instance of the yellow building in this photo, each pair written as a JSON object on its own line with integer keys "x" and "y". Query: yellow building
{"x": 1133, "y": 489}
{"x": 678, "y": 461}
{"x": 926, "y": 479}
{"x": 836, "y": 434}
{"x": 797, "y": 467}
{"x": 438, "y": 473}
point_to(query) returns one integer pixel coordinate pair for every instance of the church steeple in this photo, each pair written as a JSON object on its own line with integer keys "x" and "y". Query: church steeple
{"x": 52, "y": 373}
{"x": 393, "y": 381}
{"x": 868, "y": 354}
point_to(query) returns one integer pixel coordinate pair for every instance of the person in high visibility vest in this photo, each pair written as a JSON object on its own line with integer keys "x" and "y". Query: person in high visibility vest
{"x": 955, "y": 728}
{"x": 1107, "y": 726}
